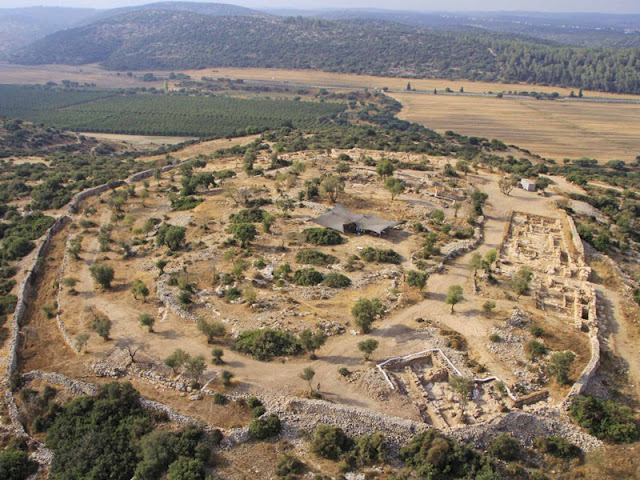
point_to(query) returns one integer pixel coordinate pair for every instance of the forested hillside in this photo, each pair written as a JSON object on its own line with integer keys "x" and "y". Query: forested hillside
{"x": 159, "y": 39}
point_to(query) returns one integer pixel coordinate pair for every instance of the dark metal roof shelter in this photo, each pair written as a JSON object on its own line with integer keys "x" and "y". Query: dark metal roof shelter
{"x": 340, "y": 217}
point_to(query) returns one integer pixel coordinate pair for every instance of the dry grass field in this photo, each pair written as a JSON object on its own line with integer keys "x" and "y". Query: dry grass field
{"x": 329, "y": 79}
{"x": 551, "y": 129}
{"x": 139, "y": 140}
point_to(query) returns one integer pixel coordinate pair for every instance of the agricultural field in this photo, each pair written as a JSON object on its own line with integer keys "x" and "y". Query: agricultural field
{"x": 105, "y": 111}
{"x": 553, "y": 129}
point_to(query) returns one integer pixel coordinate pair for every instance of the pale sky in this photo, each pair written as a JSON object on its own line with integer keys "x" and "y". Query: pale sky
{"x": 611, "y": 6}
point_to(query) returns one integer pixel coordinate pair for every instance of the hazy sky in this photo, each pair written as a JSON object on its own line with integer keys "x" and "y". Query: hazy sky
{"x": 611, "y": 6}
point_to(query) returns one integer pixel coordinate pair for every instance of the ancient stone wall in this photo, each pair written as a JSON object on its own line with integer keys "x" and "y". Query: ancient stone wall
{"x": 590, "y": 370}
{"x": 24, "y": 290}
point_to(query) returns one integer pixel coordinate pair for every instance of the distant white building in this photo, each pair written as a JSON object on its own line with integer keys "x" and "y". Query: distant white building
{"x": 528, "y": 185}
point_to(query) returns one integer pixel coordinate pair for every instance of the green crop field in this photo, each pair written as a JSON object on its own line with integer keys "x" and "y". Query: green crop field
{"x": 109, "y": 111}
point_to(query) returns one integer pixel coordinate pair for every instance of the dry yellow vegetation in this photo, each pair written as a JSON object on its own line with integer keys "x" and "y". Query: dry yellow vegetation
{"x": 554, "y": 129}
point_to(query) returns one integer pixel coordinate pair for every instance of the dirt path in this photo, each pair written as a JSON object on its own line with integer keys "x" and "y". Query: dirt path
{"x": 621, "y": 338}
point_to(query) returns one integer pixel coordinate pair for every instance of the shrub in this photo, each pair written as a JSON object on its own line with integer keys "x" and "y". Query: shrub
{"x": 330, "y": 442}
{"x": 220, "y": 399}
{"x": 186, "y": 469}
{"x": 253, "y": 402}
{"x": 336, "y": 280}
{"x": 417, "y": 279}
{"x": 366, "y": 311}
{"x": 440, "y": 456}
{"x": 245, "y": 232}
{"x": 558, "y": 447}
{"x": 289, "y": 467}
{"x": 265, "y": 427}
{"x": 604, "y": 419}
{"x": 17, "y": 247}
{"x": 321, "y": 236}
{"x": 102, "y": 274}
{"x": 147, "y": 320}
{"x": 102, "y": 326}
{"x": 377, "y": 255}
{"x": 535, "y": 349}
{"x": 15, "y": 464}
{"x": 232, "y": 294}
{"x": 185, "y": 203}
{"x": 505, "y": 447}
{"x": 314, "y": 257}
{"x": 560, "y": 365}
{"x": 170, "y": 235}
{"x": 537, "y": 331}
{"x": 367, "y": 347}
{"x": 253, "y": 215}
{"x": 307, "y": 277}
{"x": 113, "y": 442}
{"x": 368, "y": 450}
{"x": 226, "y": 377}
{"x": 216, "y": 356}
{"x": 211, "y": 330}
{"x": 488, "y": 307}
{"x": 344, "y": 371}
{"x": 258, "y": 411}
{"x": 265, "y": 344}
{"x": 495, "y": 338}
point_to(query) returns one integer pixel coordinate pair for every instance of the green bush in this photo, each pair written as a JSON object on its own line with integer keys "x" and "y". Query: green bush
{"x": 113, "y": 442}
{"x": 336, "y": 280}
{"x": 314, "y": 257}
{"x": 253, "y": 215}
{"x": 289, "y": 467}
{"x": 14, "y": 248}
{"x": 344, "y": 371}
{"x": 185, "y": 203}
{"x": 8, "y": 304}
{"x": 258, "y": 411}
{"x": 265, "y": 427}
{"x": 535, "y": 349}
{"x": 102, "y": 274}
{"x": 439, "y": 457}
{"x": 330, "y": 442}
{"x": 379, "y": 255}
{"x": 220, "y": 399}
{"x": 307, "y": 277}
{"x": 170, "y": 235}
{"x": 558, "y": 447}
{"x": 254, "y": 402}
{"x": 604, "y": 419}
{"x": 368, "y": 450}
{"x": 186, "y": 469}
{"x": 16, "y": 465}
{"x": 504, "y": 447}
{"x": 321, "y": 236}
{"x": 266, "y": 344}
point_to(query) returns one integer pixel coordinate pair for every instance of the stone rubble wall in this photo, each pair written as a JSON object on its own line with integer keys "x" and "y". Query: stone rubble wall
{"x": 24, "y": 291}
{"x": 526, "y": 426}
{"x": 61, "y": 327}
{"x": 505, "y": 233}
{"x": 591, "y": 369}
{"x": 460, "y": 247}
{"x": 575, "y": 237}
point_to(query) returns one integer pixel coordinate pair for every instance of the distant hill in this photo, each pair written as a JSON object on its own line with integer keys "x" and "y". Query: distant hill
{"x": 212, "y": 9}
{"x": 149, "y": 39}
{"x": 21, "y": 26}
